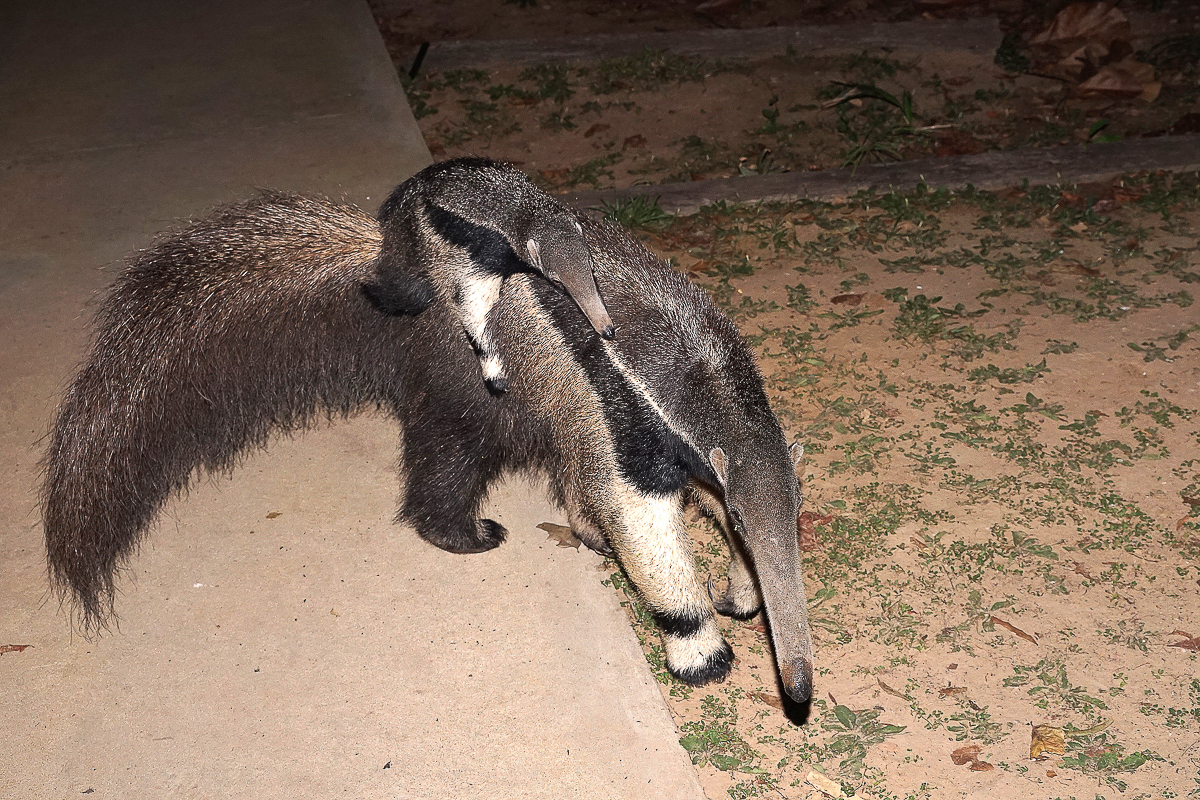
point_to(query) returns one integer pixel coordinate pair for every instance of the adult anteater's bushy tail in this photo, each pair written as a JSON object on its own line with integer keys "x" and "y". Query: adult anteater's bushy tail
{"x": 246, "y": 323}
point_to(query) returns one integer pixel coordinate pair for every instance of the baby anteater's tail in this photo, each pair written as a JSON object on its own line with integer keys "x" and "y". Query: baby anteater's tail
{"x": 245, "y": 323}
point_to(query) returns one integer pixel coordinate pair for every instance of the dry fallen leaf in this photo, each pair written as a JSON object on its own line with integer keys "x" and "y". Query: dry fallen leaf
{"x": 1095, "y": 22}
{"x": 891, "y": 691}
{"x": 965, "y": 754}
{"x": 956, "y": 142}
{"x": 847, "y": 300}
{"x": 555, "y": 175}
{"x": 997, "y": 621}
{"x": 821, "y": 783}
{"x": 1128, "y": 78}
{"x": 951, "y": 691}
{"x": 1191, "y": 643}
{"x": 561, "y": 534}
{"x": 1047, "y": 739}
{"x": 274, "y": 514}
{"x": 1075, "y": 268}
{"x": 13, "y": 648}
{"x": 773, "y": 700}
{"x": 806, "y": 529}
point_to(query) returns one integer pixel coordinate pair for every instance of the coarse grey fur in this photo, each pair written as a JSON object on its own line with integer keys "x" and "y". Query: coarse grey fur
{"x": 437, "y": 229}
{"x": 253, "y": 321}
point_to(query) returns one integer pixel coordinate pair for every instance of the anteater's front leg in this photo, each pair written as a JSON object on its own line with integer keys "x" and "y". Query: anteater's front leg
{"x": 448, "y": 464}
{"x": 741, "y": 598}
{"x": 648, "y": 536}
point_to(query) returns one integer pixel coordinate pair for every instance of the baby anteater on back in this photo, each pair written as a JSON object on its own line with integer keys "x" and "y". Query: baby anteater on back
{"x": 439, "y": 238}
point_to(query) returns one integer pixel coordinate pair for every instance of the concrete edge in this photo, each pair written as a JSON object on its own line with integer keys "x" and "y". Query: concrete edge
{"x": 989, "y": 171}
{"x": 981, "y": 35}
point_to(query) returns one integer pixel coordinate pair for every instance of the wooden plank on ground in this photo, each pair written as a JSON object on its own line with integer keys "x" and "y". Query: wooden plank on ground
{"x": 991, "y": 171}
{"x": 978, "y": 35}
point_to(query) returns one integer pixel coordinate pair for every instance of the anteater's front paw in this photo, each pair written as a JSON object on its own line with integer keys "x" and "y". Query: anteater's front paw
{"x": 742, "y": 604}
{"x": 697, "y": 653}
{"x": 481, "y": 536}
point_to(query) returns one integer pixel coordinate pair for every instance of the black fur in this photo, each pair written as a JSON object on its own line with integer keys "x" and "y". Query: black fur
{"x": 398, "y": 298}
{"x": 681, "y": 625}
{"x": 652, "y": 456}
{"x": 490, "y": 252}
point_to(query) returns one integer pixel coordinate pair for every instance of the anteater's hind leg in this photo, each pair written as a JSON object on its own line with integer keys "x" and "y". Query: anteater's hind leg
{"x": 447, "y": 479}
{"x": 648, "y": 536}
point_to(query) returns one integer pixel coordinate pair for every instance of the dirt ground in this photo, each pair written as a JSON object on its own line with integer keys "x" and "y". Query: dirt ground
{"x": 999, "y": 397}
{"x": 660, "y": 118}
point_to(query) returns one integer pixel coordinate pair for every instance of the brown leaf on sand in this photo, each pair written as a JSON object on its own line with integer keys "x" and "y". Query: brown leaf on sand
{"x": 1095, "y": 22}
{"x": 965, "y": 754}
{"x": 1128, "y": 78}
{"x": 1080, "y": 269}
{"x": 951, "y": 691}
{"x": 555, "y": 175}
{"x": 772, "y": 700}
{"x": 806, "y": 529}
{"x": 957, "y": 143}
{"x": 1081, "y": 41}
{"x": 969, "y": 754}
{"x": 13, "y": 648}
{"x": 891, "y": 691}
{"x": 1013, "y": 628}
{"x": 1191, "y": 643}
{"x": 561, "y": 534}
{"x": 847, "y": 300}
{"x": 1047, "y": 739}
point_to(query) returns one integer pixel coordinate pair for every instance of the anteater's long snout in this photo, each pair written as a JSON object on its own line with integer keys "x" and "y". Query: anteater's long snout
{"x": 581, "y": 286}
{"x": 797, "y": 678}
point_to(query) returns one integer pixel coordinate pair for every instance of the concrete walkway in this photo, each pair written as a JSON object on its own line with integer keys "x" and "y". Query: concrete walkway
{"x": 280, "y": 637}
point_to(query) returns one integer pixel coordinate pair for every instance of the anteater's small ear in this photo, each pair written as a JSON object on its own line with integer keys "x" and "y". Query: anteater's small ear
{"x": 535, "y": 253}
{"x": 796, "y": 451}
{"x": 719, "y": 463}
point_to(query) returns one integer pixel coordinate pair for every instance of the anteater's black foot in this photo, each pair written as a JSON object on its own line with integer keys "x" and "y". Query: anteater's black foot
{"x": 483, "y": 535}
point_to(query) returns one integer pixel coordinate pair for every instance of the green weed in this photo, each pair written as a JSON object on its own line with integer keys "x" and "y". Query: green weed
{"x": 639, "y": 212}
